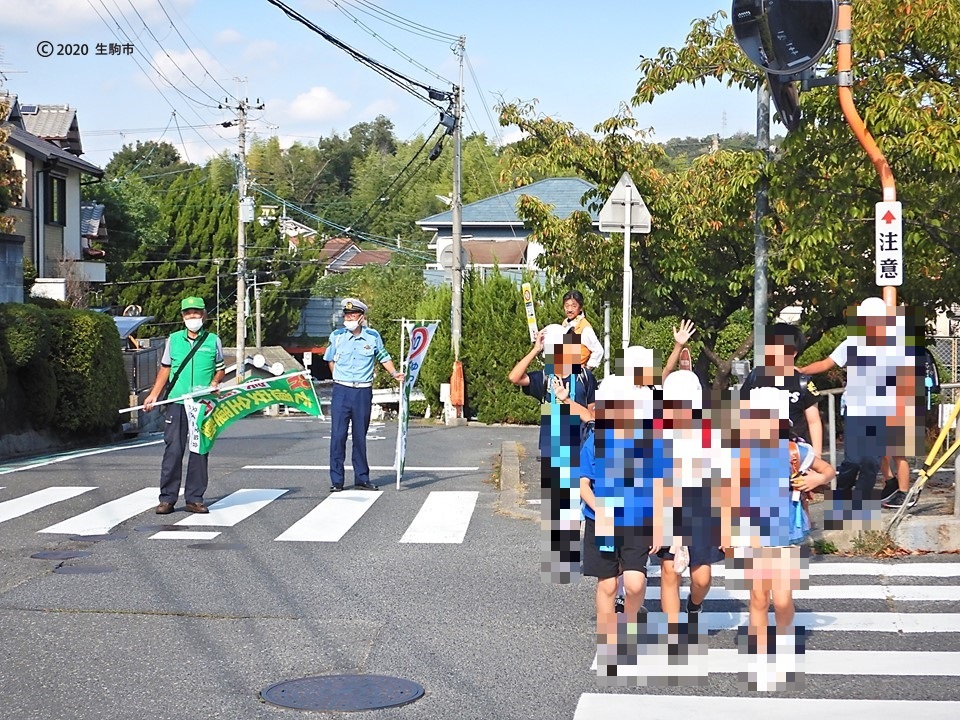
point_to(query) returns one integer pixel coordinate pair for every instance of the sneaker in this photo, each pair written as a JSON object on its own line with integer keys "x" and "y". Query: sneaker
{"x": 693, "y": 611}
{"x": 890, "y": 488}
{"x": 896, "y": 500}
{"x": 619, "y": 603}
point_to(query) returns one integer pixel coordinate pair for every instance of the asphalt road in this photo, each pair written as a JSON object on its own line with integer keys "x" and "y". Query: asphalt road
{"x": 185, "y": 628}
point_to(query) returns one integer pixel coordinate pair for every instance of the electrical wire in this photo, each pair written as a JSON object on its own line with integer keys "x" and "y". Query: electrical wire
{"x": 439, "y": 34}
{"x": 498, "y": 141}
{"x": 386, "y": 43}
{"x": 187, "y": 45}
{"x": 399, "y": 79}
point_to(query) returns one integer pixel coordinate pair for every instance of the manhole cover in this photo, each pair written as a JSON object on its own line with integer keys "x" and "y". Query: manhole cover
{"x": 60, "y": 554}
{"x": 343, "y": 693}
{"x": 216, "y": 546}
{"x": 160, "y": 528}
{"x": 99, "y": 538}
{"x": 82, "y": 569}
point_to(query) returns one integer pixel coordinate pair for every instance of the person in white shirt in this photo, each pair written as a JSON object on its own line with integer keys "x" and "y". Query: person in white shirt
{"x": 591, "y": 351}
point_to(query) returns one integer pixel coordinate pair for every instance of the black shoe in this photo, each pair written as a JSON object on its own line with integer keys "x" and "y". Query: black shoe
{"x": 693, "y": 611}
{"x": 896, "y": 500}
{"x": 336, "y": 488}
{"x": 890, "y": 489}
{"x": 364, "y": 486}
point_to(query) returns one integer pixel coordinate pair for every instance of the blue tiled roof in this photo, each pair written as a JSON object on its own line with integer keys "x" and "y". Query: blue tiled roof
{"x": 563, "y": 193}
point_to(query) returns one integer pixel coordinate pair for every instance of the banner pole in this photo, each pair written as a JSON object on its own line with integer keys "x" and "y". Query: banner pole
{"x": 207, "y": 391}
{"x": 396, "y": 454}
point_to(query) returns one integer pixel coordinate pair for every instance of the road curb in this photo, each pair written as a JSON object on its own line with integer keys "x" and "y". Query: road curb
{"x": 511, "y": 494}
{"x": 938, "y": 533}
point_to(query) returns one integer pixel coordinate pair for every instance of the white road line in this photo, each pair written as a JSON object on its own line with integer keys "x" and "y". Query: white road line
{"x": 184, "y": 535}
{"x": 847, "y": 662}
{"x": 443, "y": 517}
{"x": 102, "y": 518}
{"x": 897, "y": 593}
{"x": 235, "y": 507}
{"x": 861, "y": 569}
{"x": 422, "y": 468}
{"x": 74, "y": 456}
{"x": 330, "y": 520}
{"x": 596, "y": 706}
{"x": 10, "y": 509}
{"x": 849, "y": 621}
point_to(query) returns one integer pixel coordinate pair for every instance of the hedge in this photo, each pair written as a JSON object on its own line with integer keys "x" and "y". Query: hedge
{"x": 24, "y": 333}
{"x": 39, "y": 384}
{"x": 88, "y": 363}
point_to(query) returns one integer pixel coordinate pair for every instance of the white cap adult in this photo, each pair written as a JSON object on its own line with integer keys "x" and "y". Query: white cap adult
{"x": 683, "y": 386}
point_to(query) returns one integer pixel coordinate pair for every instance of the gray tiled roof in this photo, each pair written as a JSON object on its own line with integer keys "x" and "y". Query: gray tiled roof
{"x": 38, "y": 147}
{"x": 564, "y": 194}
{"x": 49, "y": 121}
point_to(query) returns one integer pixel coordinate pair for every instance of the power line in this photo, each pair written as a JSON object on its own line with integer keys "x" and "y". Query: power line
{"x": 397, "y": 78}
{"x": 187, "y": 45}
{"x": 414, "y": 26}
{"x": 386, "y": 43}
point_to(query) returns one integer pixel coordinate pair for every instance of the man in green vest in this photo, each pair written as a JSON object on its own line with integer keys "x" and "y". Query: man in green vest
{"x": 194, "y": 359}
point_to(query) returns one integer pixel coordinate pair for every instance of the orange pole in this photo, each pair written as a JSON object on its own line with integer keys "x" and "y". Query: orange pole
{"x": 845, "y": 92}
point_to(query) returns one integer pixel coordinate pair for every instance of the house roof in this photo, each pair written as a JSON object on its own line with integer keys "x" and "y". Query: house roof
{"x": 334, "y": 247}
{"x": 40, "y": 148}
{"x": 92, "y": 223}
{"x": 367, "y": 257}
{"x": 487, "y": 252}
{"x": 56, "y": 123}
{"x": 564, "y": 194}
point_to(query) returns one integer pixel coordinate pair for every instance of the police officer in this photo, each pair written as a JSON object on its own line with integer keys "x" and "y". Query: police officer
{"x": 352, "y": 353}
{"x": 194, "y": 357}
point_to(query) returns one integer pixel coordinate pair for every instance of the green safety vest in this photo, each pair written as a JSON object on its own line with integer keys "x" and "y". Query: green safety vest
{"x": 203, "y": 365}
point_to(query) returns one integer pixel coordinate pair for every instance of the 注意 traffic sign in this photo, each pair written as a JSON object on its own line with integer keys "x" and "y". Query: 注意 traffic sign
{"x": 889, "y": 241}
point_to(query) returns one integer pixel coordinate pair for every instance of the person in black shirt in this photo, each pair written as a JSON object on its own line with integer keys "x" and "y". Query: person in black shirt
{"x": 783, "y": 343}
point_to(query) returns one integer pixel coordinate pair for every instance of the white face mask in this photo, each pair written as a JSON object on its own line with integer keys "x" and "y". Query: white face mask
{"x": 194, "y": 324}
{"x": 351, "y": 325}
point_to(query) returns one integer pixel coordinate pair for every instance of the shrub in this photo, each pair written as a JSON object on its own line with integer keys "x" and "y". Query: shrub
{"x": 39, "y": 384}
{"x": 88, "y": 363}
{"x": 24, "y": 333}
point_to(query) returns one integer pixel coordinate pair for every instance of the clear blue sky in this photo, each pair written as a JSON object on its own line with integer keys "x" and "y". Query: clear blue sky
{"x": 577, "y": 58}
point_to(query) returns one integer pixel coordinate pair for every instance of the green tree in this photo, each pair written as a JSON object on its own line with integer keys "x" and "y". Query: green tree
{"x": 10, "y": 177}
{"x": 822, "y": 186}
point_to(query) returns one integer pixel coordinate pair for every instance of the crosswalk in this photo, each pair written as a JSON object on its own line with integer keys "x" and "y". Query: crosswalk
{"x": 835, "y": 650}
{"x": 444, "y": 516}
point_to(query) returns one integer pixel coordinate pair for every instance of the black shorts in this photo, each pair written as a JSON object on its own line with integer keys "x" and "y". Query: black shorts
{"x": 699, "y": 555}
{"x": 603, "y": 565}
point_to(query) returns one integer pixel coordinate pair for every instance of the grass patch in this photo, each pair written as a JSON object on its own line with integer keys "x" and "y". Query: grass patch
{"x": 824, "y": 547}
{"x": 874, "y": 543}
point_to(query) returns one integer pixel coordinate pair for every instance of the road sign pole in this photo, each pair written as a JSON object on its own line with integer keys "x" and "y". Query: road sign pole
{"x": 627, "y": 269}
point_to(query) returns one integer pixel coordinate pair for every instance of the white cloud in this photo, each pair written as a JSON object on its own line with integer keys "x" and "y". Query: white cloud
{"x": 318, "y": 104}
{"x": 176, "y": 67}
{"x": 74, "y": 14}
{"x": 512, "y": 135}
{"x": 227, "y": 36}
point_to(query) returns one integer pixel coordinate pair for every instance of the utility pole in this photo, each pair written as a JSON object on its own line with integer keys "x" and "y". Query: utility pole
{"x": 456, "y": 320}
{"x": 244, "y": 215}
{"x": 759, "y": 237}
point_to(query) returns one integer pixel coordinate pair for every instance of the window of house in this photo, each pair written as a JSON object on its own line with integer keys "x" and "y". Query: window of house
{"x": 56, "y": 200}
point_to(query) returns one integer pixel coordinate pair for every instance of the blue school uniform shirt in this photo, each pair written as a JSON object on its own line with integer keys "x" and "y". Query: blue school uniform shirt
{"x": 627, "y": 469}
{"x": 774, "y": 516}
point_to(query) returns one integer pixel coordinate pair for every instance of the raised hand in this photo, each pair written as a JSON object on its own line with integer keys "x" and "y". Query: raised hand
{"x": 683, "y": 334}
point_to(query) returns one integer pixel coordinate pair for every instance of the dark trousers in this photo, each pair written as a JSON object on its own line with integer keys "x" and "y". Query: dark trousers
{"x": 175, "y": 443}
{"x": 865, "y": 444}
{"x": 349, "y": 407}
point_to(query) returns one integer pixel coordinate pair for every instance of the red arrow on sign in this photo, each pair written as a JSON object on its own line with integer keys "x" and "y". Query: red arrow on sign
{"x": 889, "y": 217}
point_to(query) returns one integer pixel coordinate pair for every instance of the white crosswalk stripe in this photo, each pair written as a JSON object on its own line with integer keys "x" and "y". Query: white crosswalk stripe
{"x": 11, "y": 509}
{"x": 103, "y": 518}
{"x": 443, "y": 518}
{"x": 931, "y": 583}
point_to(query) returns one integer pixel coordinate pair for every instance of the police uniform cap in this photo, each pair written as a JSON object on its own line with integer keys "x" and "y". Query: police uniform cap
{"x": 192, "y": 303}
{"x": 353, "y": 305}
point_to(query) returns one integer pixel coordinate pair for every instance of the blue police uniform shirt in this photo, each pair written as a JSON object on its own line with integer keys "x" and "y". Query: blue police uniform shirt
{"x": 355, "y": 356}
